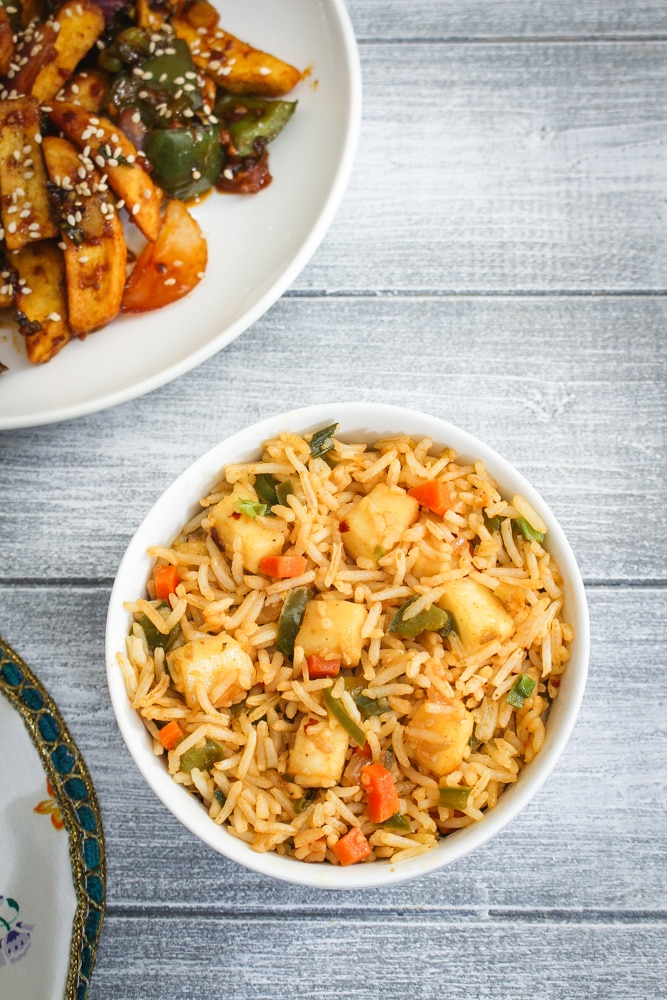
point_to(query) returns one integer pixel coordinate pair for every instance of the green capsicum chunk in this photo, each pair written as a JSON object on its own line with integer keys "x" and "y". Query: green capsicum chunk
{"x": 186, "y": 161}
{"x": 265, "y": 488}
{"x": 527, "y": 530}
{"x": 397, "y": 822}
{"x": 290, "y": 619}
{"x": 431, "y": 619}
{"x": 492, "y": 523}
{"x": 252, "y": 122}
{"x": 367, "y": 706}
{"x": 154, "y": 638}
{"x": 203, "y": 757}
{"x": 322, "y": 441}
{"x": 454, "y": 798}
{"x": 283, "y": 491}
{"x": 339, "y": 713}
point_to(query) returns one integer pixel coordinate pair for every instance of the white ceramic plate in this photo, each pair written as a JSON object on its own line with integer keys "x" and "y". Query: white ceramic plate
{"x": 365, "y": 422}
{"x": 257, "y": 244}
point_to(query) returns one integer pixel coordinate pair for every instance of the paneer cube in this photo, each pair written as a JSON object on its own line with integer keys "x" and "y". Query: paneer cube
{"x": 259, "y": 536}
{"x": 218, "y": 663}
{"x": 479, "y": 617}
{"x": 378, "y": 520}
{"x": 317, "y": 758}
{"x": 438, "y": 734}
{"x": 333, "y": 629}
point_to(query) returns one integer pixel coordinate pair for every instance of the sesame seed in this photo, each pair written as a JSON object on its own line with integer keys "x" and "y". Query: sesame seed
{"x": 264, "y": 71}
{"x": 200, "y": 274}
{"x": 26, "y": 291}
{"x": 178, "y": 263}
{"x": 56, "y": 317}
{"x": 38, "y": 139}
{"x": 83, "y": 259}
{"x": 136, "y": 118}
{"x": 170, "y": 281}
{"x": 11, "y": 228}
{"x": 196, "y": 174}
{"x": 136, "y": 209}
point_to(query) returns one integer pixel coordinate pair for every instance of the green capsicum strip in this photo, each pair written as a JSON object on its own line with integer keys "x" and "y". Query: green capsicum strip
{"x": 339, "y": 713}
{"x": 454, "y": 798}
{"x": 290, "y": 619}
{"x": 522, "y": 688}
{"x": 397, "y": 822}
{"x": 367, "y": 706}
{"x": 322, "y": 441}
{"x": 154, "y": 638}
{"x": 431, "y": 619}
{"x": 252, "y": 122}
{"x": 283, "y": 491}
{"x": 203, "y": 757}
{"x": 527, "y": 530}
{"x": 265, "y": 488}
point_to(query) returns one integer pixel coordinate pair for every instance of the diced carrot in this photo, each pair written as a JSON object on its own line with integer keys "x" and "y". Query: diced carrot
{"x": 319, "y": 667}
{"x": 170, "y": 735}
{"x": 282, "y": 567}
{"x": 165, "y": 579}
{"x": 381, "y": 794}
{"x": 435, "y": 496}
{"x": 353, "y": 847}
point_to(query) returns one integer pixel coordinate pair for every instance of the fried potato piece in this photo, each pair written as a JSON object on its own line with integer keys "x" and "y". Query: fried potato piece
{"x": 169, "y": 268}
{"x": 24, "y": 202}
{"x": 150, "y": 17}
{"x": 88, "y": 89}
{"x": 95, "y": 249}
{"x": 7, "y": 278}
{"x": 79, "y": 24}
{"x": 41, "y": 299}
{"x": 6, "y": 42}
{"x": 118, "y": 158}
{"x": 234, "y": 64}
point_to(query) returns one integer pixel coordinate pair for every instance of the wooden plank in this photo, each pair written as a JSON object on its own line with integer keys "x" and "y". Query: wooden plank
{"x": 504, "y": 167}
{"x": 529, "y": 19}
{"x": 598, "y": 822}
{"x": 569, "y": 390}
{"x": 372, "y": 957}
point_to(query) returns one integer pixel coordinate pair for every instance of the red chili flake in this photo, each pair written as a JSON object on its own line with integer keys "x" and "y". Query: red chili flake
{"x": 309, "y": 725}
{"x": 343, "y": 526}
{"x": 236, "y": 514}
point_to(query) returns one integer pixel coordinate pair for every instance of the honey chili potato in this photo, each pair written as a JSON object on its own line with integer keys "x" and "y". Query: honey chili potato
{"x": 95, "y": 250}
{"x": 26, "y": 213}
{"x": 41, "y": 299}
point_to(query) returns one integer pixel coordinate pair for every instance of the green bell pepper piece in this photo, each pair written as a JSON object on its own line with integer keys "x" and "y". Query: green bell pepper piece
{"x": 340, "y": 714}
{"x": 186, "y": 161}
{"x": 528, "y": 531}
{"x": 290, "y": 619}
{"x": 398, "y": 822}
{"x": 431, "y": 619}
{"x": 322, "y": 441}
{"x": 252, "y": 122}
{"x": 203, "y": 757}
{"x": 522, "y": 688}
{"x": 155, "y": 638}
{"x": 454, "y": 798}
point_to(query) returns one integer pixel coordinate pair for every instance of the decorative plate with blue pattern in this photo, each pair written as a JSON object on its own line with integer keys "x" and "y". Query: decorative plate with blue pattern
{"x": 52, "y": 857}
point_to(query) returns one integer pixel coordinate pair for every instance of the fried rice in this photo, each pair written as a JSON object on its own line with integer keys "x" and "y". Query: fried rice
{"x": 377, "y": 692}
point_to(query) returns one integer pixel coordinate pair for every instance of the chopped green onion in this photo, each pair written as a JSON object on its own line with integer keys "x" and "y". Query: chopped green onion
{"x": 203, "y": 757}
{"x": 251, "y": 508}
{"x": 522, "y": 688}
{"x": 322, "y": 441}
{"x": 290, "y": 619}
{"x": 283, "y": 491}
{"x": 432, "y": 619}
{"x": 340, "y": 714}
{"x": 397, "y": 822}
{"x": 528, "y": 531}
{"x": 454, "y": 798}
{"x": 265, "y": 488}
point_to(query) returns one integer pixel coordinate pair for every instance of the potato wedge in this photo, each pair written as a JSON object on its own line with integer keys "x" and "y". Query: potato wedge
{"x": 79, "y": 24}
{"x": 234, "y": 64}
{"x": 7, "y": 280}
{"x": 154, "y": 18}
{"x": 24, "y": 202}
{"x": 6, "y": 42}
{"x": 41, "y": 299}
{"x": 88, "y": 89}
{"x": 169, "y": 268}
{"x": 116, "y": 156}
{"x": 92, "y": 232}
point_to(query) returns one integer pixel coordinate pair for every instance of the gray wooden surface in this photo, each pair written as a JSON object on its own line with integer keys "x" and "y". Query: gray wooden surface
{"x": 499, "y": 260}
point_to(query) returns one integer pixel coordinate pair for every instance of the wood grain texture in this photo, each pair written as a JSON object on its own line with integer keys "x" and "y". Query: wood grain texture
{"x": 571, "y": 391}
{"x": 504, "y": 167}
{"x": 494, "y": 19}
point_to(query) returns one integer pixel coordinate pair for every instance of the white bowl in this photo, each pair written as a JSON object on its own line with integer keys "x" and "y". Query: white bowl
{"x": 358, "y": 421}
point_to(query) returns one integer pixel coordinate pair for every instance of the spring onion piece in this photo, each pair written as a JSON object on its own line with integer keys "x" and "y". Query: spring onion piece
{"x": 251, "y": 508}
{"x": 322, "y": 441}
{"x": 283, "y": 491}
{"x": 202, "y": 757}
{"x": 431, "y": 619}
{"x": 528, "y": 531}
{"x": 340, "y": 714}
{"x": 397, "y": 822}
{"x": 522, "y": 688}
{"x": 454, "y": 798}
{"x": 290, "y": 619}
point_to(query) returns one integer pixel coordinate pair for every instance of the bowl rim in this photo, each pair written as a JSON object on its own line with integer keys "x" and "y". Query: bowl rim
{"x": 166, "y": 516}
